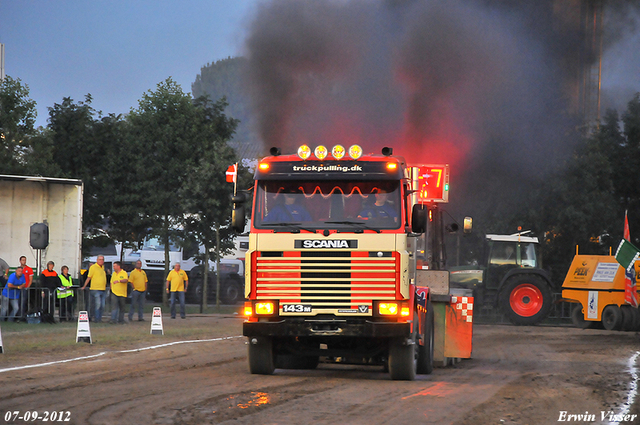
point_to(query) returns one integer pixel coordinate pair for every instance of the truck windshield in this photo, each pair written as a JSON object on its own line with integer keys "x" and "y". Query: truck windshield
{"x": 342, "y": 205}
{"x": 154, "y": 243}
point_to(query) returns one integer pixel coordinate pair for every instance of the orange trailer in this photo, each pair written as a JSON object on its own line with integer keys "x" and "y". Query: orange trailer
{"x": 596, "y": 284}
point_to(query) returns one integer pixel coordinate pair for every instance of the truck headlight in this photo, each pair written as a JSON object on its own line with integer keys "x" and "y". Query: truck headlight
{"x": 388, "y": 309}
{"x": 265, "y": 308}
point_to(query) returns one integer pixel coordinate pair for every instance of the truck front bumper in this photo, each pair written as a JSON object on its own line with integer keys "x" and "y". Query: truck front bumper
{"x": 323, "y": 328}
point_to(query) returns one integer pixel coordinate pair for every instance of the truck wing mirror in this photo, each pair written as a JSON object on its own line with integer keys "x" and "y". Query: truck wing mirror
{"x": 238, "y": 212}
{"x": 238, "y": 218}
{"x": 419, "y": 218}
{"x": 240, "y": 198}
{"x": 468, "y": 224}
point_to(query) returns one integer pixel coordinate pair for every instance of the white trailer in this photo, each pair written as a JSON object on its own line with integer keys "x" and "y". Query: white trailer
{"x": 25, "y": 200}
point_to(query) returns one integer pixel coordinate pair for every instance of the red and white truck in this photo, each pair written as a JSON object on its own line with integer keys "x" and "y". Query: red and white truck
{"x": 340, "y": 265}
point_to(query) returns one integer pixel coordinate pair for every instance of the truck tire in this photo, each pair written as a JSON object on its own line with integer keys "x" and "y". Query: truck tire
{"x": 425, "y": 352}
{"x": 628, "y": 318}
{"x": 194, "y": 296}
{"x": 289, "y": 361}
{"x": 526, "y": 299}
{"x": 403, "y": 360}
{"x": 577, "y": 317}
{"x": 3, "y": 267}
{"x": 612, "y": 318}
{"x": 260, "y": 354}
{"x": 231, "y": 292}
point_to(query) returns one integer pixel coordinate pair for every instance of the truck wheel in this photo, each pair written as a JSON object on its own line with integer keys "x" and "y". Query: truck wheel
{"x": 628, "y": 318}
{"x": 195, "y": 295}
{"x": 3, "y": 266}
{"x": 231, "y": 292}
{"x": 612, "y": 318}
{"x": 403, "y": 360}
{"x": 289, "y": 361}
{"x": 526, "y": 299}
{"x": 260, "y": 353}
{"x": 577, "y": 317}
{"x": 425, "y": 352}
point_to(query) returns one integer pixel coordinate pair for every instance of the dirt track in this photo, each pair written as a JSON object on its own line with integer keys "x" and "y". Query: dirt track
{"x": 519, "y": 375}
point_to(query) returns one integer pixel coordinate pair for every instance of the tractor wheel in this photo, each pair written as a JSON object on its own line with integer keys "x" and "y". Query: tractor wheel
{"x": 612, "y": 318}
{"x": 425, "y": 352}
{"x": 403, "y": 360}
{"x": 577, "y": 317}
{"x": 261, "y": 357}
{"x": 526, "y": 299}
{"x": 289, "y": 361}
{"x": 628, "y": 318}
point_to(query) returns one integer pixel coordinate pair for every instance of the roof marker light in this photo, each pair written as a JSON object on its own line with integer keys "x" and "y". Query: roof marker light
{"x": 263, "y": 166}
{"x": 304, "y": 152}
{"x": 338, "y": 152}
{"x": 392, "y": 166}
{"x": 355, "y": 151}
{"x": 321, "y": 152}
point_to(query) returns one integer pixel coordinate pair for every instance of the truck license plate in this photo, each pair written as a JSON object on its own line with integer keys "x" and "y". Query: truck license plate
{"x": 296, "y": 308}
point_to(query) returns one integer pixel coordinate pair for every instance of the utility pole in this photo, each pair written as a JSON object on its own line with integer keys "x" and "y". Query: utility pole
{"x": 1, "y": 61}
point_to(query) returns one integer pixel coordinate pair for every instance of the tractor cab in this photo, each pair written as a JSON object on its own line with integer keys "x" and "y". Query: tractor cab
{"x": 507, "y": 252}
{"x": 509, "y": 278}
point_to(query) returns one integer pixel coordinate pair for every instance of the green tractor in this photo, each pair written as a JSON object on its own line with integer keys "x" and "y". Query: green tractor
{"x": 510, "y": 279}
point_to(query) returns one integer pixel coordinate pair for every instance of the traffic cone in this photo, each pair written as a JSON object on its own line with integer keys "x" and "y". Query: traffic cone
{"x": 156, "y": 322}
{"x": 83, "y": 334}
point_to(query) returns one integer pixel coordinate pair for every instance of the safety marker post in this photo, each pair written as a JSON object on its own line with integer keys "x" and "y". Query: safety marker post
{"x": 83, "y": 334}
{"x": 1, "y": 346}
{"x": 156, "y": 322}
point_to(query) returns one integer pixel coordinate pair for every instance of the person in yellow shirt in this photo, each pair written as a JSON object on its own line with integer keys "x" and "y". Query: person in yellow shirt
{"x": 177, "y": 283}
{"x": 119, "y": 283}
{"x": 98, "y": 278}
{"x": 138, "y": 279}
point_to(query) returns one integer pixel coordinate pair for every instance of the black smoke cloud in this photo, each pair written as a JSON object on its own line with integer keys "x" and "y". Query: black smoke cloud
{"x": 486, "y": 86}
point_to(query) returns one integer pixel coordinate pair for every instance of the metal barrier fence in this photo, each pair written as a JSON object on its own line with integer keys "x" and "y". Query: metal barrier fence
{"x": 42, "y": 304}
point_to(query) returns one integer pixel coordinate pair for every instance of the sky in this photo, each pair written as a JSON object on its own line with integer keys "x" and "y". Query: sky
{"x": 115, "y": 50}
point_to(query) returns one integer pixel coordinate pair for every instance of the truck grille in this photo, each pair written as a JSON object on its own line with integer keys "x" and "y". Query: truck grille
{"x": 337, "y": 282}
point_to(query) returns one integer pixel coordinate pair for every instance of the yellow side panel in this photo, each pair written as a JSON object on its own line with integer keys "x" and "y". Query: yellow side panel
{"x": 247, "y": 264}
{"x": 595, "y": 281}
{"x": 405, "y": 282}
{"x": 594, "y": 272}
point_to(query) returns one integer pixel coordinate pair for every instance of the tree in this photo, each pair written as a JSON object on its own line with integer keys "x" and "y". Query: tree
{"x": 77, "y": 153}
{"x": 122, "y": 188}
{"x": 17, "y": 118}
{"x": 165, "y": 125}
{"x": 627, "y": 163}
{"x": 206, "y": 192}
{"x": 586, "y": 200}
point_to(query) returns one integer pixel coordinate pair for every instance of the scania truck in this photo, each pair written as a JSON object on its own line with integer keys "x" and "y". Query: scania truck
{"x": 333, "y": 270}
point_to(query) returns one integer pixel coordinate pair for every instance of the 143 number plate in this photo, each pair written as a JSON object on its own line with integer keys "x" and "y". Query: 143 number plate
{"x": 296, "y": 308}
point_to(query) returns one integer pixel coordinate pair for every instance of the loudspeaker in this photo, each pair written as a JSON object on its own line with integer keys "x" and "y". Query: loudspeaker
{"x": 39, "y": 236}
